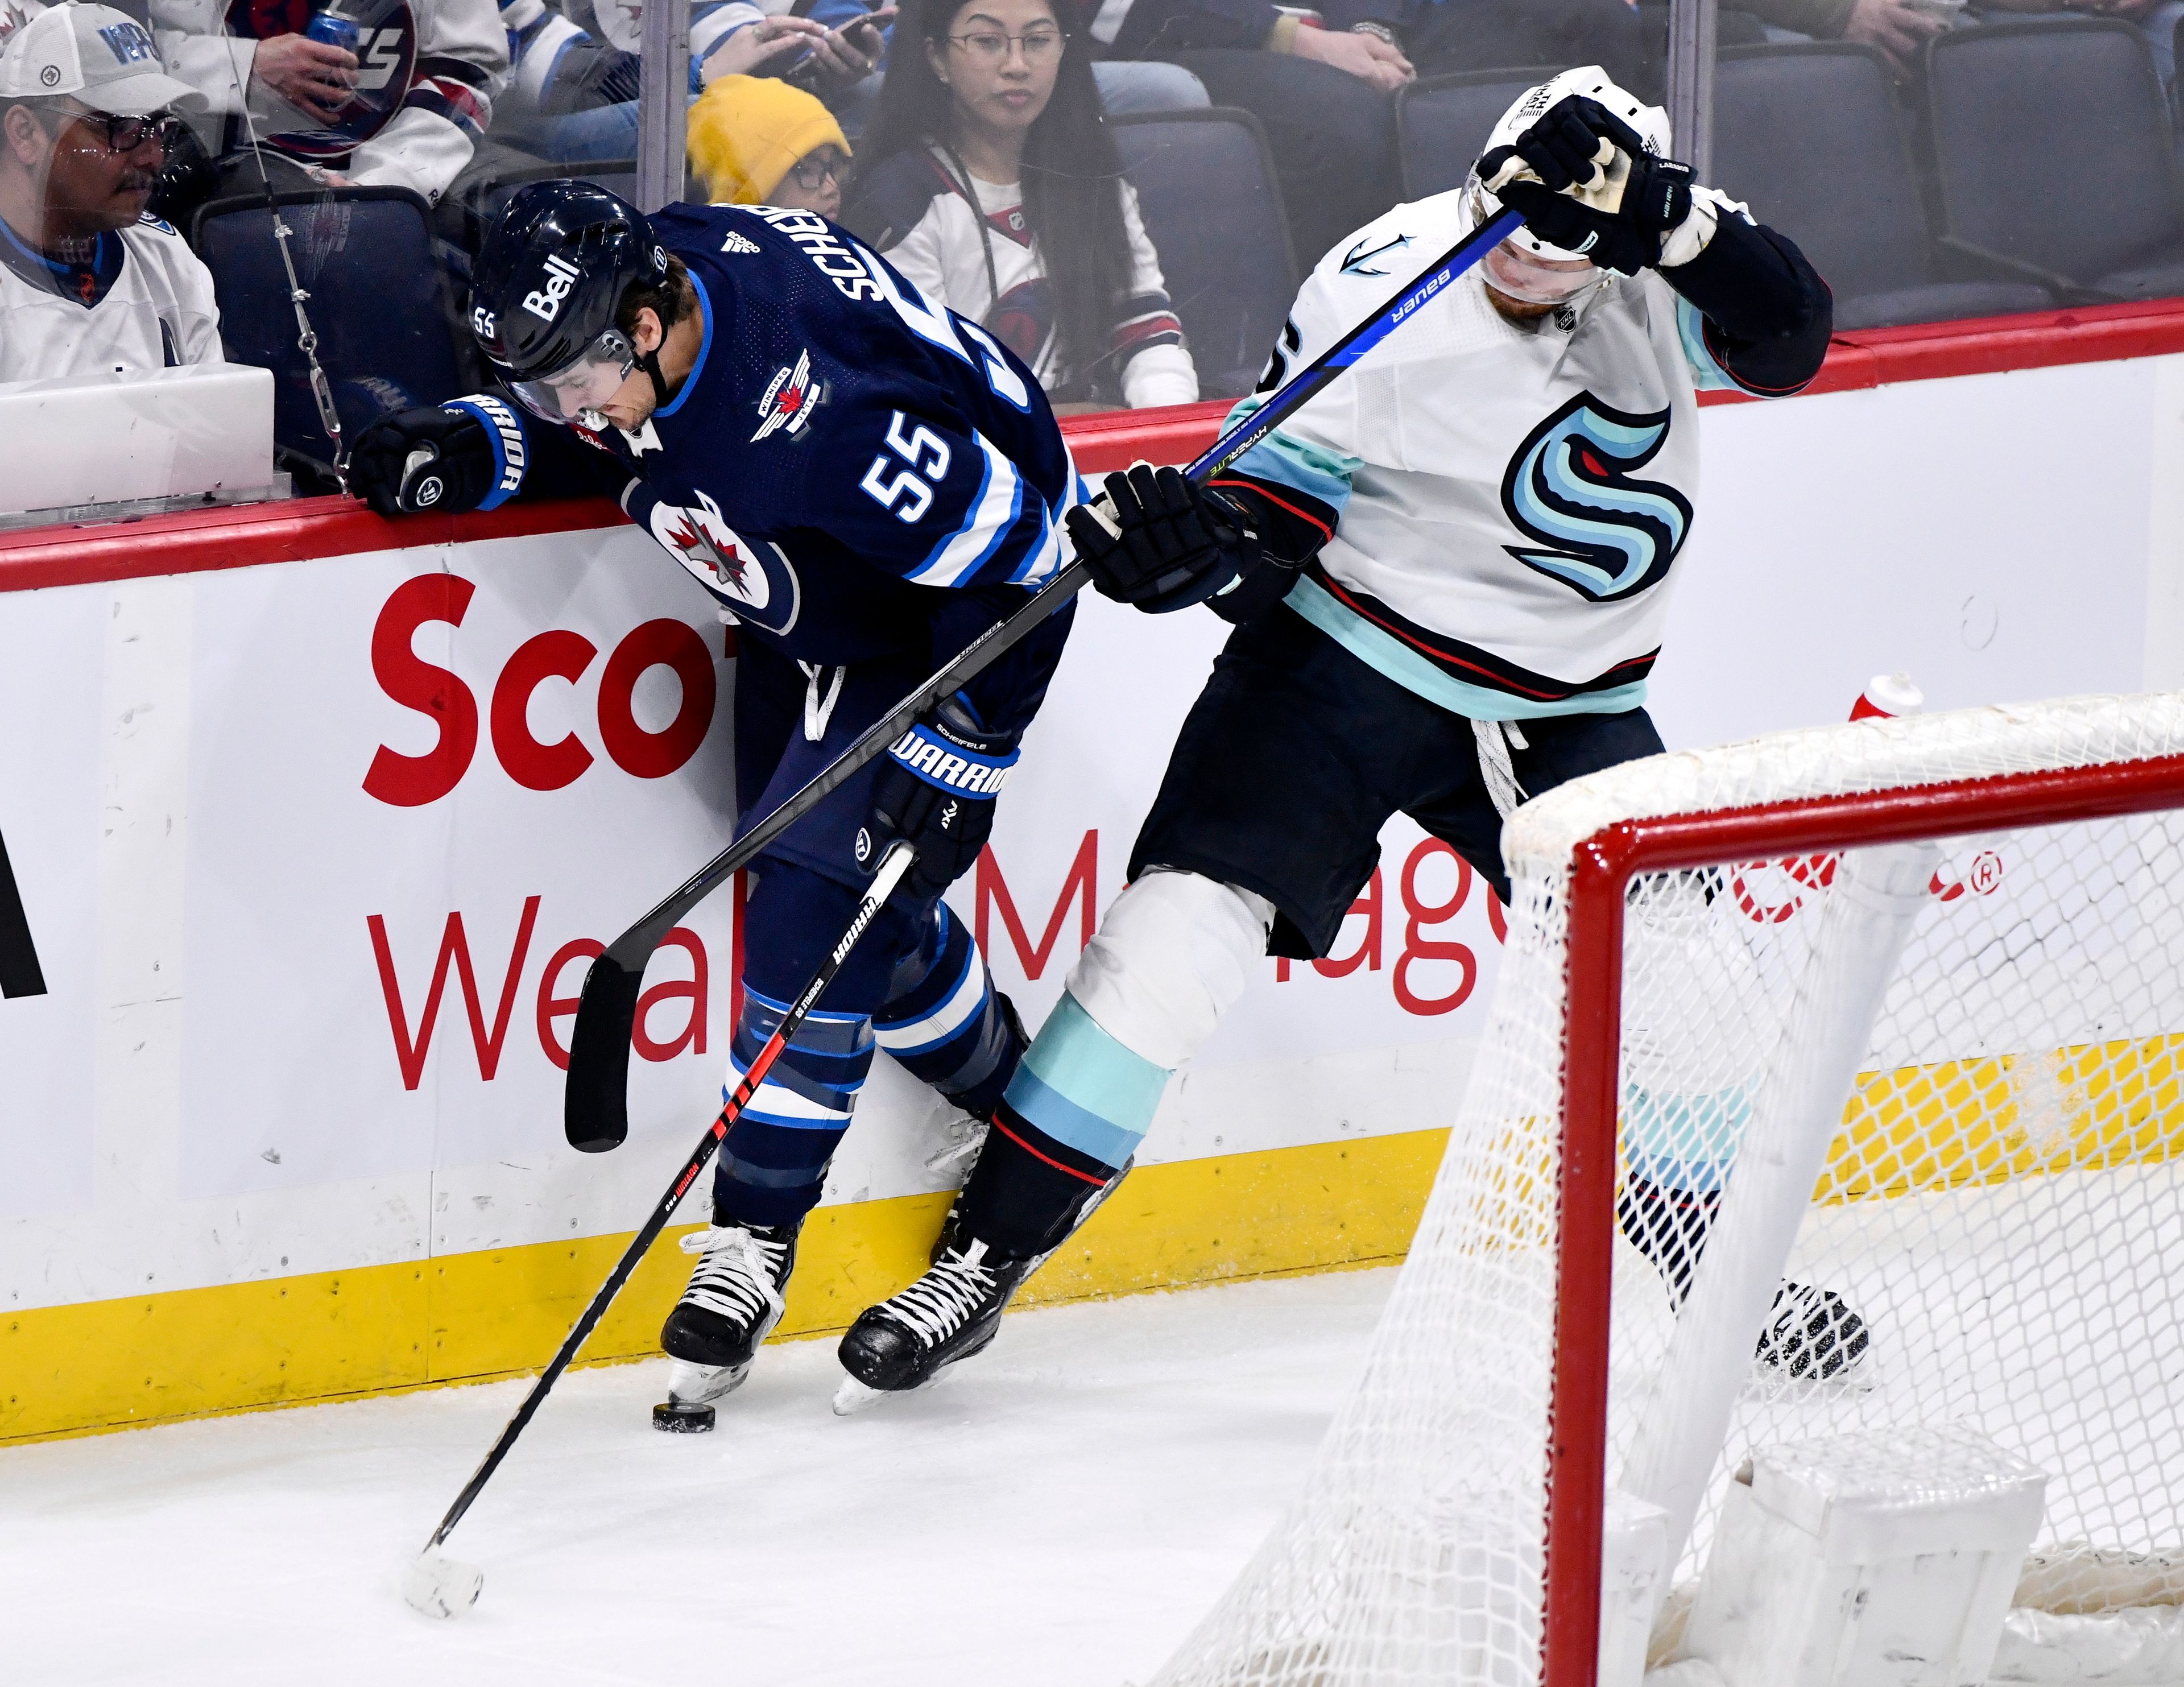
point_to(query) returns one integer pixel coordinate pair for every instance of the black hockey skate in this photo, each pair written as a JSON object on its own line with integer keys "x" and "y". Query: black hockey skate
{"x": 950, "y": 1313}
{"x": 731, "y": 1304}
{"x": 1811, "y": 1335}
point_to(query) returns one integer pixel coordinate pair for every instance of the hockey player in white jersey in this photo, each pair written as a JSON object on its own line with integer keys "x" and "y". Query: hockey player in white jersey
{"x": 1451, "y": 573}
{"x": 89, "y": 284}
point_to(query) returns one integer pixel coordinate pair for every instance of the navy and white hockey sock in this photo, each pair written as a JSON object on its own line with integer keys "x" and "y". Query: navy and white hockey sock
{"x": 943, "y": 1022}
{"x": 773, "y": 1161}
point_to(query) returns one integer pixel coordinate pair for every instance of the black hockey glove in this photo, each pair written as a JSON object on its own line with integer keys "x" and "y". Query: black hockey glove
{"x": 1159, "y": 542}
{"x": 437, "y": 458}
{"x": 1620, "y": 231}
{"x": 937, "y": 788}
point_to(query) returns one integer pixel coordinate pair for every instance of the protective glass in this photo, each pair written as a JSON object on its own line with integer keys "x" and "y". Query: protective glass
{"x": 574, "y": 394}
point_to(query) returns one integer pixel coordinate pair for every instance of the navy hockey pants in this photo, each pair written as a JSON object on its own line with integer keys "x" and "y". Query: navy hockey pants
{"x": 915, "y": 985}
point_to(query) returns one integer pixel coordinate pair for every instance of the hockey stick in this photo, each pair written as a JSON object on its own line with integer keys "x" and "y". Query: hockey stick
{"x": 595, "y": 1109}
{"x": 444, "y": 1587}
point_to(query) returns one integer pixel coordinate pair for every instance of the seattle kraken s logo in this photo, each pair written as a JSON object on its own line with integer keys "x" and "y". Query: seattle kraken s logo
{"x": 1570, "y": 486}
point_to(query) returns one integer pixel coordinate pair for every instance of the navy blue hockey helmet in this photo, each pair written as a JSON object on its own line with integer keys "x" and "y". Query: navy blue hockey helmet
{"x": 554, "y": 266}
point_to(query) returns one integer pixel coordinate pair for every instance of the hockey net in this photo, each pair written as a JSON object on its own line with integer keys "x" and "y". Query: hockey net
{"x": 1917, "y": 983}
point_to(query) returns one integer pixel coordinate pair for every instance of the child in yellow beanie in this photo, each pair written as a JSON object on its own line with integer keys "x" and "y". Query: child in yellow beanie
{"x": 759, "y": 141}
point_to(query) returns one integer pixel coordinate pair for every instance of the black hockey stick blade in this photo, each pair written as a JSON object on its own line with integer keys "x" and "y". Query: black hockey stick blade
{"x": 595, "y": 1102}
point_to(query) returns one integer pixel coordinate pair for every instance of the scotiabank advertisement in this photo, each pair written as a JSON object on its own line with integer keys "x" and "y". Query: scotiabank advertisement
{"x": 425, "y": 788}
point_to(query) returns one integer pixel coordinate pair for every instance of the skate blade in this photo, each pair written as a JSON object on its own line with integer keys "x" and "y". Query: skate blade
{"x": 693, "y": 1384}
{"x": 441, "y": 1586}
{"x": 854, "y": 1396}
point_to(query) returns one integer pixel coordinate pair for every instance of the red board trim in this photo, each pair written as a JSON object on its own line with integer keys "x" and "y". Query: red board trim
{"x": 1601, "y": 871}
{"x": 248, "y": 535}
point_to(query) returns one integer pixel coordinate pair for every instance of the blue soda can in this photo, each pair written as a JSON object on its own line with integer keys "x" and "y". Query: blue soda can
{"x": 334, "y": 30}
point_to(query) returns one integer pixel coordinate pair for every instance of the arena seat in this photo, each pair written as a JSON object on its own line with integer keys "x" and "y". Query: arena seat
{"x": 1873, "y": 245}
{"x": 379, "y": 304}
{"x": 1206, "y": 189}
{"x": 478, "y": 194}
{"x": 1442, "y": 123}
{"x": 2055, "y": 156}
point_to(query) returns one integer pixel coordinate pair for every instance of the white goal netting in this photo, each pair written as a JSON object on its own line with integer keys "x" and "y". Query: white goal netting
{"x": 1998, "y": 1199}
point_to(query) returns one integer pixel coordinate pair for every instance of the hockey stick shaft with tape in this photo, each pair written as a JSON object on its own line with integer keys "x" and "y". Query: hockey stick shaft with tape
{"x": 595, "y": 1109}
{"x": 893, "y": 866}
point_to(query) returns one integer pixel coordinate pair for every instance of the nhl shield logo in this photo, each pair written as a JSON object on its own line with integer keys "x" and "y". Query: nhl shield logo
{"x": 790, "y": 399}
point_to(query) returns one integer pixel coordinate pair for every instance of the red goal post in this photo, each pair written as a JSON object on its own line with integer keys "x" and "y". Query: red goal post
{"x": 1451, "y": 1528}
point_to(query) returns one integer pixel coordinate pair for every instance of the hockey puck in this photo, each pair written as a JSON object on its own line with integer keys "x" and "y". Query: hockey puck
{"x": 682, "y": 1418}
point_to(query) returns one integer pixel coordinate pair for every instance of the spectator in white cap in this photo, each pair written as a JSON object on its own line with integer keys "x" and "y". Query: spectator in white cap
{"x": 89, "y": 284}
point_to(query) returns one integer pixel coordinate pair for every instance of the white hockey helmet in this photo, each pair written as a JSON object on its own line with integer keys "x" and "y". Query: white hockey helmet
{"x": 1524, "y": 266}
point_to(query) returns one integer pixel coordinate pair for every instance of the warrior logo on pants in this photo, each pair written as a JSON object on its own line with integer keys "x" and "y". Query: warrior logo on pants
{"x": 1571, "y": 486}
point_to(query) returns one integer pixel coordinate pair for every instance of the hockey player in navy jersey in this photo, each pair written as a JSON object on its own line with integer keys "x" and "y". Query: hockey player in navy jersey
{"x": 866, "y": 482}
{"x": 1460, "y": 554}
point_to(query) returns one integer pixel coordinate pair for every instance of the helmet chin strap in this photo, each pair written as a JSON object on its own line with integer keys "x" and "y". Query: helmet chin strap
{"x": 650, "y": 363}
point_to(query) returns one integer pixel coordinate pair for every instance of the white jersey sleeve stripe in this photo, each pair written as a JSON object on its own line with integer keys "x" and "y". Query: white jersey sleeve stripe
{"x": 992, "y": 514}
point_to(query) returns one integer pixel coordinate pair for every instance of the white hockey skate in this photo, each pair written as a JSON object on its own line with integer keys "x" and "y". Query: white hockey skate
{"x": 731, "y": 1304}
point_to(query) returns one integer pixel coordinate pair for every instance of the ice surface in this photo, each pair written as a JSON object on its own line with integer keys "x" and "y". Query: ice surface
{"x": 1059, "y": 1512}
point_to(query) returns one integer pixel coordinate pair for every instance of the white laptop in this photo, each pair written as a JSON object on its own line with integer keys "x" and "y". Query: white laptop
{"x": 111, "y": 438}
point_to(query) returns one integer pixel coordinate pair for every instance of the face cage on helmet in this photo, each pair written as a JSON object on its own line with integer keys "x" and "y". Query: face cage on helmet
{"x": 1520, "y": 268}
{"x": 573, "y": 393}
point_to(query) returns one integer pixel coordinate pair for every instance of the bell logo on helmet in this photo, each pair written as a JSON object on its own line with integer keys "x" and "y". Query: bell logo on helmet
{"x": 562, "y": 276}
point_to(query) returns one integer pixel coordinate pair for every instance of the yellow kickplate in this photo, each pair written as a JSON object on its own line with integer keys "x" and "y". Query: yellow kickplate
{"x": 469, "y": 1318}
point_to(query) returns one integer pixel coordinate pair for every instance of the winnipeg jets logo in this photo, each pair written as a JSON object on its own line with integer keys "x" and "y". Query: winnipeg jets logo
{"x": 1572, "y": 487}
{"x": 758, "y": 582}
{"x": 740, "y": 243}
{"x": 790, "y": 398}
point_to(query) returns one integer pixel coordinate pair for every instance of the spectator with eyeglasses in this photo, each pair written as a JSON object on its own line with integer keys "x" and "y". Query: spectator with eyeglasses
{"x": 994, "y": 184}
{"x": 757, "y": 142}
{"x": 89, "y": 284}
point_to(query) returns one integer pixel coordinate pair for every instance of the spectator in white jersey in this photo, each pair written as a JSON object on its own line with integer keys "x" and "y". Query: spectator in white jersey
{"x": 994, "y": 184}
{"x": 394, "y": 93}
{"x": 88, "y": 283}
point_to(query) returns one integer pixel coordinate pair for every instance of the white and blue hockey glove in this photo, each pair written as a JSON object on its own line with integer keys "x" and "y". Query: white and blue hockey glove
{"x": 936, "y": 790}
